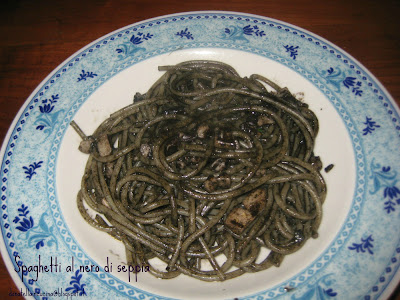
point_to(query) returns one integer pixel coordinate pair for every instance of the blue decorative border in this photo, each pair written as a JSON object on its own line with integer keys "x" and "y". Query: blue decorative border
{"x": 390, "y": 271}
{"x": 352, "y": 218}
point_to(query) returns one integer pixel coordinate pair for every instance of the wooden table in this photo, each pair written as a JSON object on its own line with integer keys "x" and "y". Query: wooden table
{"x": 36, "y": 36}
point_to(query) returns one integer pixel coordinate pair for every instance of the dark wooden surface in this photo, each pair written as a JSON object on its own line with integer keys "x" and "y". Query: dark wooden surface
{"x": 36, "y": 36}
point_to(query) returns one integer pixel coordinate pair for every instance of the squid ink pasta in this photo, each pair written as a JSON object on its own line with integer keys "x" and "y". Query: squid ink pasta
{"x": 206, "y": 168}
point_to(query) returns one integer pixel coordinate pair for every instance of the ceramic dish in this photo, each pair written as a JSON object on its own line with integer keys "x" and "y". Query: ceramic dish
{"x": 357, "y": 253}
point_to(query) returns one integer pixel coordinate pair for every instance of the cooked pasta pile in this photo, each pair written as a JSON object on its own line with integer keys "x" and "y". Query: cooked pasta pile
{"x": 207, "y": 167}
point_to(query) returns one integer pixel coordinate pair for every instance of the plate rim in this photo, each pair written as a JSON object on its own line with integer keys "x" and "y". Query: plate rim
{"x": 7, "y": 259}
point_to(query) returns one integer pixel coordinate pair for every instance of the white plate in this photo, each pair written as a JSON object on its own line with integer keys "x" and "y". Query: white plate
{"x": 358, "y": 251}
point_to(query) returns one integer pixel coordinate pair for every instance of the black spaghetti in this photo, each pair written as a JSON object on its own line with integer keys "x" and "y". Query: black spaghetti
{"x": 207, "y": 166}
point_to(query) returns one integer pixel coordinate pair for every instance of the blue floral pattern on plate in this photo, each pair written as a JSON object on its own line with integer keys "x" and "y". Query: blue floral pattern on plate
{"x": 30, "y": 170}
{"x": 292, "y": 50}
{"x": 34, "y": 224}
{"x": 48, "y": 117}
{"x": 337, "y": 78}
{"x": 85, "y": 75}
{"x": 185, "y": 33}
{"x": 239, "y": 33}
{"x": 385, "y": 180}
{"x": 35, "y": 235}
{"x": 365, "y": 245}
{"x": 76, "y": 287}
{"x": 131, "y": 47}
